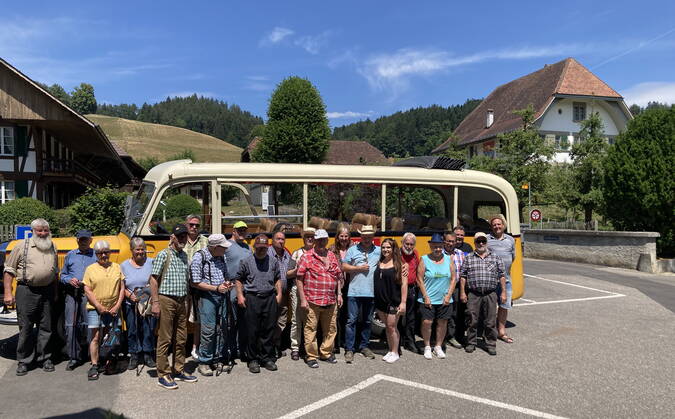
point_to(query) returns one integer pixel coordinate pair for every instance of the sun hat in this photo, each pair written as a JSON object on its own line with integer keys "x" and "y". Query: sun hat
{"x": 436, "y": 238}
{"x": 219, "y": 240}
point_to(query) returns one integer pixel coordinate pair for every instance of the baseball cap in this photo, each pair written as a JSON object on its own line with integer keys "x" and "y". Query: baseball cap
{"x": 321, "y": 234}
{"x": 179, "y": 229}
{"x": 219, "y": 240}
{"x": 83, "y": 233}
{"x": 479, "y": 235}
{"x": 240, "y": 224}
{"x": 367, "y": 229}
{"x": 261, "y": 240}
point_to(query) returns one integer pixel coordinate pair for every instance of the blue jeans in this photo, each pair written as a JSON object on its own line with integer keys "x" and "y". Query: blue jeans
{"x": 140, "y": 330}
{"x": 212, "y": 314}
{"x": 360, "y": 315}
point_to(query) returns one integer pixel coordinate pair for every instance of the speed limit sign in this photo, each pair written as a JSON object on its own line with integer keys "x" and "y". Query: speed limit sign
{"x": 535, "y": 215}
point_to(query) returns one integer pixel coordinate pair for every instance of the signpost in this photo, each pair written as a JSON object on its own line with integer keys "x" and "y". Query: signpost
{"x": 535, "y": 215}
{"x": 22, "y": 232}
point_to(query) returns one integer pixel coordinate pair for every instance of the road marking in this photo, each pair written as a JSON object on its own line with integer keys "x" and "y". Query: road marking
{"x": 527, "y": 301}
{"x": 379, "y": 377}
{"x": 569, "y": 300}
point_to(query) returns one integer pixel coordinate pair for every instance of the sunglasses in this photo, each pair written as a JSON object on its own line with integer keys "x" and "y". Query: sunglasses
{"x": 481, "y": 241}
{"x": 194, "y": 224}
{"x": 103, "y": 252}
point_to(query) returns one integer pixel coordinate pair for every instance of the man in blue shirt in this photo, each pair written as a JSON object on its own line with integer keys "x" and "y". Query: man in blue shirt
{"x": 360, "y": 261}
{"x": 72, "y": 274}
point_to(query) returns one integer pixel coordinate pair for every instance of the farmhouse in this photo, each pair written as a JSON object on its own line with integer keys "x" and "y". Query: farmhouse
{"x": 47, "y": 150}
{"x": 562, "y": 94}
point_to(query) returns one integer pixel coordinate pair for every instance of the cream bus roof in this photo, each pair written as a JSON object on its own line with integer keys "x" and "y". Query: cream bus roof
{"x": 185, "y": 170}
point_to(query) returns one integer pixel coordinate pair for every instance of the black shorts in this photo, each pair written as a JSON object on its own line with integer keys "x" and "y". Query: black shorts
{"x": 437, "y": 311}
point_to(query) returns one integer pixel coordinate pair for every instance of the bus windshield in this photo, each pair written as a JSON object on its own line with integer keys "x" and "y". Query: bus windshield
{"x": 136, "y": 207}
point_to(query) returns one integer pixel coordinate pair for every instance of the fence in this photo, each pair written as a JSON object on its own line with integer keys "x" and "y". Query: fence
{"x": 6, "y": 232}
{"x": 562, "y": 225}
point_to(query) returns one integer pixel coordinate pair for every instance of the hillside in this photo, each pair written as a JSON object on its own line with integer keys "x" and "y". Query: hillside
{"x": 142, "y": 139}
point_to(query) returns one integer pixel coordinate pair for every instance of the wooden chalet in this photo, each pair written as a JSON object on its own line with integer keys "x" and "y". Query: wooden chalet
{"x": 50, "y": 152}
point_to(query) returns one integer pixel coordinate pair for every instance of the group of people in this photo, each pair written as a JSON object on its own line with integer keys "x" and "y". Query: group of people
{"x": 237, "y": 300}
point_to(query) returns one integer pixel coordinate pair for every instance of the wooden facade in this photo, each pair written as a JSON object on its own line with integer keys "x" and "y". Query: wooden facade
{"x": 47, "y": 150}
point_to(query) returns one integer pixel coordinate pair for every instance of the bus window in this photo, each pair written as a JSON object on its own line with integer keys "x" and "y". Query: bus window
{"x": 355, "y": 205}
{"x": 476, "y": 206}
{"x": 416, "y": 208}
{"x": 264, "y": 207}
{"x": 178, "y": 202}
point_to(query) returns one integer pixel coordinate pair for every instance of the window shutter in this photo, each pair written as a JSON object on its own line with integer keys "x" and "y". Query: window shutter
{"x": 21, "y": 187}
{"x": 21, "y": 141}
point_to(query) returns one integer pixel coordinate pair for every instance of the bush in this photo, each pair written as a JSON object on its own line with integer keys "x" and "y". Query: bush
{"x": 99, "y": 210}
{"x": 25, "y": 210}
{"x": 638, "y": 186}
{"x": 181, "y": 206}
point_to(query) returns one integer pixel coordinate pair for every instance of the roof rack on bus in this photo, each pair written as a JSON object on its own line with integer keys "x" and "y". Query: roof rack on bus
{"x": 432, "y": 162}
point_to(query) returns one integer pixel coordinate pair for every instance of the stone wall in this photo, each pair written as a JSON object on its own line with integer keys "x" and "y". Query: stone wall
{"x": 623, "y": 249}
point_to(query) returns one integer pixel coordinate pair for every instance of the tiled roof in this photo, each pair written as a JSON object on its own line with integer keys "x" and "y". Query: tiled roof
{"x": 339, "y": 152}
{"x": 566, "y": 77}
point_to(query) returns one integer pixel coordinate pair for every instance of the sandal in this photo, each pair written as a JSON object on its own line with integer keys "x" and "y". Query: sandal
{"x": 92, "y": 374}
{"x": 505, "y": 339}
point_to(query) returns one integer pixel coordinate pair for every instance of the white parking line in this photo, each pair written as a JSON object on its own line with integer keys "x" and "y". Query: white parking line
{"x": 568, "y": 300}
{"x": 379, "y": 377}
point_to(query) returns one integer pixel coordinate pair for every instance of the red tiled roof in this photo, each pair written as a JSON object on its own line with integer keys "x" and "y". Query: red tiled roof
{"x": 339, "y": 152}
{"x": 566, "y": 77}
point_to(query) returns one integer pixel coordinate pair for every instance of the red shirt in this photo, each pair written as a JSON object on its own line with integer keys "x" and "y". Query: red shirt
{"x": 413, "y": 260}
{"x": 319, "y": 281}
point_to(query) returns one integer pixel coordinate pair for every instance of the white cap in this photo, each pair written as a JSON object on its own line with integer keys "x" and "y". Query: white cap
{"x": 219, "y": 240}
{"x": 320, "y": 234}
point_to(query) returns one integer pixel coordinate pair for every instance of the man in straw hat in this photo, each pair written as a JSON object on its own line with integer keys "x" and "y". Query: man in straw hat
{"x": 360, "y": 261}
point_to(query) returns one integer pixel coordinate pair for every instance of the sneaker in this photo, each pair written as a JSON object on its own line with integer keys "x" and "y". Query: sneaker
{"x": 270, "y": 366}
{"x": 295, "y": 355}
{"x": 492, "y": 351}
{"x": 72, "y": 364}
{"x": 21, "y": 369}
{"x": 167, "y": 382}
{"x": 331, "y": 359}
{"x": 254, "y": 367}
{"x": 393, "y": 358}
{"x": 387, "y": 356}
{"x": 133, "y": 362}
{"x": 427, "y": 352}
{"x": 195, "y": 355}
{"x": 184, "y": 377}
{"x": 149, "y": 361}
{"x": 205, "y": 370}
{"x": 48, "y": 366}
{"x": 312, "y": 363}
{"x": 470, "y": 348}
{"x": 349, "y": 357}
{"x": 92, "y": 374}
{"x": 438, "y": 351}
{"x": 367, "y": 353}
{"x": 454, "y": 343}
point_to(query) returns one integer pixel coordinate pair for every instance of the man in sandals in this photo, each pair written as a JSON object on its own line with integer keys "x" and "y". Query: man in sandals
{"x": 503, "y": 246}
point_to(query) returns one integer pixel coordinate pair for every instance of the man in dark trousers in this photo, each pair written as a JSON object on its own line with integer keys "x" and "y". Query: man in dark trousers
{"x": 259, "y": 293}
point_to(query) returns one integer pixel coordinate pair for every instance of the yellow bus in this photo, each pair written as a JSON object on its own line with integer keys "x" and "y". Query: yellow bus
{"x": 405, "y": 197}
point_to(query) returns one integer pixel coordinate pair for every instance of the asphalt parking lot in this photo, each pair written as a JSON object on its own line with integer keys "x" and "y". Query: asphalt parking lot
{"x": 589, "y": 342}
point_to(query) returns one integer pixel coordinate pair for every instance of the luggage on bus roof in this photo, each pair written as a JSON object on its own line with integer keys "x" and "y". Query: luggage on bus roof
{"x": 432, "y": 162}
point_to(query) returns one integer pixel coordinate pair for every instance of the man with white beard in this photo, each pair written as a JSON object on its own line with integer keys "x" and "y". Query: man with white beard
{"x": 34, "y": 264}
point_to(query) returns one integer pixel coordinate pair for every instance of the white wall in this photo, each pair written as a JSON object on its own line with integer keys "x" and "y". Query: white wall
{"x": 553, "y": 120}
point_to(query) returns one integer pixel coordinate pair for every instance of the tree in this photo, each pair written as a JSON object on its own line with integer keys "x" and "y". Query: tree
{"x": 83, "y": 99}
{"x": 454, "y": 151}
{"x": 99, "y": 210}
{"x": 297, "y": 128}
{"x": 638, "y": 182}
{"x": 586, "y": 170}
{"x": 60, "y": 93}
{"x": 521, "y": 157}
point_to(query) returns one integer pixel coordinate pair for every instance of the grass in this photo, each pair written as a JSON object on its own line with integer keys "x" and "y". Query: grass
{"x": 142, "y": 139}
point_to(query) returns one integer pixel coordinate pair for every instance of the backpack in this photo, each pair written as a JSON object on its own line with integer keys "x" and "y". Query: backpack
{"x": 110, "y": 344}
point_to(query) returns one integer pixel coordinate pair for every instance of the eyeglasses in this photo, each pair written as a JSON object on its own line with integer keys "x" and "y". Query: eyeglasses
{"x": 103, "y": 252}
{"x": 194, "y": 224}
{"x": 483, "y": 241}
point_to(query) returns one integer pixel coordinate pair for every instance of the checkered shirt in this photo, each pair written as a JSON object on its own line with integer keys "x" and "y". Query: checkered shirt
{"x": 175, "y": 280}
{"x": 482, "y": 274}
{"x": 207, "y": 268}
{"x": 320, "y": 281}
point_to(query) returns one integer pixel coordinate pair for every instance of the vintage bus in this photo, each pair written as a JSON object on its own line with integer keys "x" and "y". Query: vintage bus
{"x": 423, "y": 195}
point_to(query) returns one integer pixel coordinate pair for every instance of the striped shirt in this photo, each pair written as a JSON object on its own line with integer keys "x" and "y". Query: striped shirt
{"x": 207, "y": 268}
{"x": 319, "y": 281}
{"x": 482, "y": 274}
{"x": 175, "y": 280}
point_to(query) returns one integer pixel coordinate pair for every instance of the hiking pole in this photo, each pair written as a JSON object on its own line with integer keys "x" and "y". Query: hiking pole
{"x": 220, "y": 338}
{"x": 229, "y": 322}
{"x": 139, "y": 327}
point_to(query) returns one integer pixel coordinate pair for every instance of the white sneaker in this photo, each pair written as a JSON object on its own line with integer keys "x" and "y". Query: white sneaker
{"x": 393, "y": 358}
{"x": 387, "y": 356}
{"x": 195, "y": 355}
{"x": 438, "y": 351}
{"x": 427, "y": 352}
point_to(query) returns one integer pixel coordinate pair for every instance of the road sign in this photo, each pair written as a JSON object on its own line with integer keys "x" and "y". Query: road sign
{"x": 22, "y": 232}
{"x": 535, "y": 215}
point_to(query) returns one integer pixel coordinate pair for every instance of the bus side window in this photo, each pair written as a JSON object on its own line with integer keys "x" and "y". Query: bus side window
{"x": 263, "y": 207}
{"x": 351, "y": 204}
{"x": 416, "y": 208}
{"x": 178, "y": 202}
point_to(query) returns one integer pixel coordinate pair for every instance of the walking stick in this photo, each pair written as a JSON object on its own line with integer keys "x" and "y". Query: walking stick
{"x": 74, "y": 341}
{"x": 139, "y": 327}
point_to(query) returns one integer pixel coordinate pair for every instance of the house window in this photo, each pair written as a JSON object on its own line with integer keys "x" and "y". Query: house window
{"x": 6, "y": 191}
{"x": 579, "y": 111}
{"x": 6, "y": 141}
{"x": 561, "y": 142}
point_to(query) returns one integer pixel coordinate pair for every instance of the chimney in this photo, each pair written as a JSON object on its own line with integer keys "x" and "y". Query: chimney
{"x": 490, "y": 118}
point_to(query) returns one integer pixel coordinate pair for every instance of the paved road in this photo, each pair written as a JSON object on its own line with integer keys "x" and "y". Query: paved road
{"x": 589, "y": 342}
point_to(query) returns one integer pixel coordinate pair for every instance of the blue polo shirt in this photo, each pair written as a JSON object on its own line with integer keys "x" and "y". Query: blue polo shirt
{"x": 361, "y": 284}
{"x": 75, "y": 264}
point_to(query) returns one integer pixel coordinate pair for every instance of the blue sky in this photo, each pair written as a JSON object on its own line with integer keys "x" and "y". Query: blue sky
{"x": 367, "y": 58}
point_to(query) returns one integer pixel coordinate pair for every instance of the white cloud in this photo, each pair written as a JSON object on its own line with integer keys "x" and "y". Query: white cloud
{"x": 258, "y": 86}
{"x": 275, "y": 36}
{"x": 312, "y": 43}
{"x": 348, "y": 114}
{"x": 643, "y": 93}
